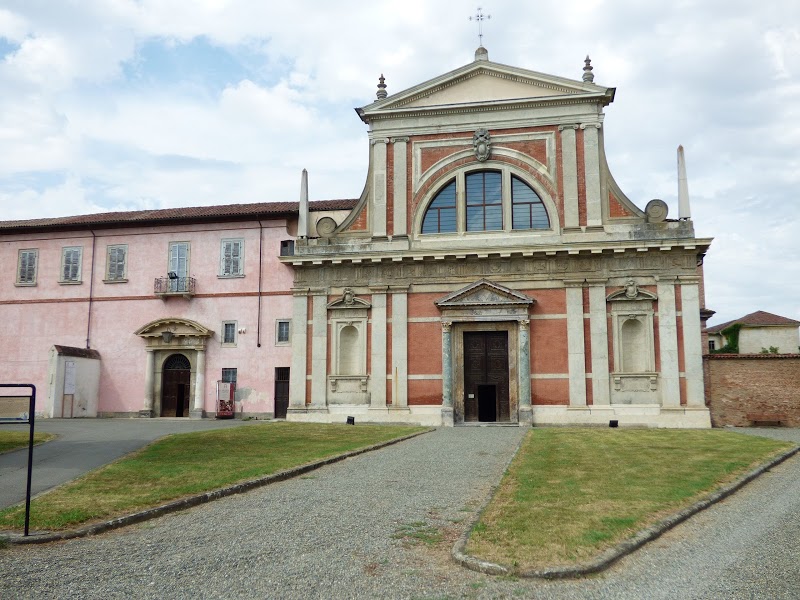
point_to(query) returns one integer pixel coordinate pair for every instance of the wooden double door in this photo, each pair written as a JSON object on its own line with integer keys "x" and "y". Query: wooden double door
{"x": 486, "y": 394}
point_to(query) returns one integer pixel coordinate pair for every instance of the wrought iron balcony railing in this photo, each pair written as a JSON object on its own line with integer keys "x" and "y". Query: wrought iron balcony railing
{"x": 174, "y": 286}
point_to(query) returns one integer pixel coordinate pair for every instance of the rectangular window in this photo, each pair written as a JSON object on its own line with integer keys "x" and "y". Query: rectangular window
{"x": 71, "y": 264}
{"x": 287, "y": 247}
{"x": 26, "y": 267}
{"x": 229, "y": 333}
{"x": 178, "y": 266}
{"x": 116, "y": 263}
{"x": 231, "y": 258}
{"x": 229, "y": 375}
{"x": 712, "y": 345}
{"x": 282, "y": 331}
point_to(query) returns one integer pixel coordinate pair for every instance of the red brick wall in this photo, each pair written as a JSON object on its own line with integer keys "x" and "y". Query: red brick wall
{"x": 751, "y": 384}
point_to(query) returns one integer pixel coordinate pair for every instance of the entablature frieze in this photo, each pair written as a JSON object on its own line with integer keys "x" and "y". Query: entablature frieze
{"x": 582, "y": 269}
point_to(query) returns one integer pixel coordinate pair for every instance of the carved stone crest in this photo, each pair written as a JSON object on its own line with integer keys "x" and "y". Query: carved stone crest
{"x": 481, "y": 144}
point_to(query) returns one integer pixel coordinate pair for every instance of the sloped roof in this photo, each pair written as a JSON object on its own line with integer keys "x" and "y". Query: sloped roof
{"x": 265, "y": 210}
{"x": 759, "y": 318}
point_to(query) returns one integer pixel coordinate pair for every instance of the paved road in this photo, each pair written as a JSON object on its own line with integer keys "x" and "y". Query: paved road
{"x": 344, "y": 532}
{"x": 83, "y": 445}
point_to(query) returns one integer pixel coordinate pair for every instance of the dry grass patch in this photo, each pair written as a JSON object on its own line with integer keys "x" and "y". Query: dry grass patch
{"x": 570, "y": 493}
{"x": 191, "y": 463}
{"x": 12, "y": 440}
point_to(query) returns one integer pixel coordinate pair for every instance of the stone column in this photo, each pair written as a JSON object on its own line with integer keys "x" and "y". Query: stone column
{"x": 399, "y": 148}
{"x": 379, "y": 188}
{"x": 692, "y": 348}
{"x": 668, "y": 345}
{"x": 525, "y": 409}
{"x": 319, "y": 350}
{"x": 569, "y": 163}
{"x": 400, "y": 350}
{"x": 447, "y": 374}
{"x": 149, "y": 384}
{"x": 598, "y": 328}
{"x": 199, "y": 386}
{"x": 297, "y": 376}
{"x": 575, "y": 347}
{"x": 591, "y": 162}
{"x": 378, "y": 357}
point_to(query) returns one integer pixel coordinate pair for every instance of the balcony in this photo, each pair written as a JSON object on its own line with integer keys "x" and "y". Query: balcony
{"x": 174, "y": 286}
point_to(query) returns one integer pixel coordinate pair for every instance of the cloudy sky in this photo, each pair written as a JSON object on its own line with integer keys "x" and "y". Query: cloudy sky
{"x": 129, "y": 104}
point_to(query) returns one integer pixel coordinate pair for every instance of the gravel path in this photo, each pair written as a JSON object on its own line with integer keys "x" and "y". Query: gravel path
{"x": 337, "y": 533}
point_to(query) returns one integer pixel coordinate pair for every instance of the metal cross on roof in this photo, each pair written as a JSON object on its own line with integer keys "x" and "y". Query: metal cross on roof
{"x": 479, "y": 17}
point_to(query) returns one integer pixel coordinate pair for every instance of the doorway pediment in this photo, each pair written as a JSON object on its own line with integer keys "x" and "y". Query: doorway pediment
{"x": 484, "y": 293}
{"x": 485, "y": 301}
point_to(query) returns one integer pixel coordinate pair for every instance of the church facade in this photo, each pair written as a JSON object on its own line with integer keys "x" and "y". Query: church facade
{"x": 493, "y": 270}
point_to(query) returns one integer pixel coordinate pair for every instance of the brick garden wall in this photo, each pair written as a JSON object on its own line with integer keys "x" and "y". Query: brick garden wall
{"x": 738, "y": 385}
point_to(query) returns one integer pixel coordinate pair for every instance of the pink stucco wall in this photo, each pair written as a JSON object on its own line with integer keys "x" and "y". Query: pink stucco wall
{"x": 37, "y": 317}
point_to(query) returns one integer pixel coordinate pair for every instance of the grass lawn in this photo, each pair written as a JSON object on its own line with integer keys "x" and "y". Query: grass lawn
{"x": 571, "y": 493}
{"x": 191, "y": 463}
{"x": 11, "y": 440}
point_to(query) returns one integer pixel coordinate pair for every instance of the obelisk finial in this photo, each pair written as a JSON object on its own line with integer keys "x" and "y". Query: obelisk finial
{"x": 588, "y": 76}
{"x": 684, "y": 211}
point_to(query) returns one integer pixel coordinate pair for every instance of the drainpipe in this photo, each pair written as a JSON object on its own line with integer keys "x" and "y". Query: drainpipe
{"x": 91, "y": 289}
{"x": 260, "y": 258}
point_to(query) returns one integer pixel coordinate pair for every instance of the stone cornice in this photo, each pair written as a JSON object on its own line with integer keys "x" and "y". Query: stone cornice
{"x": 582, "y": 250}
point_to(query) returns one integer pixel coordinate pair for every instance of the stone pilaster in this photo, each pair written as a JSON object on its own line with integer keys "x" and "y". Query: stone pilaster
{"x": 668, "y": 345}
{"x": 199, "y": 386}
{"x": 525, "y": 409}
{"x": 297, "y": 376}
{"x": 400, "y": 349}
{"x": 569, "y": 164}
{"x": 378, "y": 358}
{"x": 575, "y": 344}
{"x": 692, "y": 344}
{"x": 379, "y": 187}
{"x": 598, "y": 329}
{"x": 319, "y": 350}
{"x": 447, "y": 373}
{"x": 591, "y": 162}
{"x": 149, "y": 384}
{"x": 399, "y": 147}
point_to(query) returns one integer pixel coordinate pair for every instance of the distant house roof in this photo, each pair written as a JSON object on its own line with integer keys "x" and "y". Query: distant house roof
{"x": 759, "y": 318}
{"x": 224, "y": 212}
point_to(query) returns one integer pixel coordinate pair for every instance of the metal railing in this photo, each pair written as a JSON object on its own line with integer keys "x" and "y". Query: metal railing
{"x": 179, "y": 286}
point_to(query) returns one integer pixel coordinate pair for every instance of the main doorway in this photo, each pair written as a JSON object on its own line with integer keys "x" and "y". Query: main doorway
{"x": 486, "y": 394}
{"x": 175, "y": 383}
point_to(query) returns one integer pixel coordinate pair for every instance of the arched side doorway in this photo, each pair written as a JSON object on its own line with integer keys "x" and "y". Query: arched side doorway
{"x": 175, "y": 365}
{"x": 176, "y": 377}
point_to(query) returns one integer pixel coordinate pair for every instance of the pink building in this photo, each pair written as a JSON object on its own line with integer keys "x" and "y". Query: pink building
{"x": 142, "y": 313}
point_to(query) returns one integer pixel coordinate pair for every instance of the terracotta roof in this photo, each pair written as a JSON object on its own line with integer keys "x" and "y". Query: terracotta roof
{"x": 756, "y": 319}
{"x": 254, "y": 210}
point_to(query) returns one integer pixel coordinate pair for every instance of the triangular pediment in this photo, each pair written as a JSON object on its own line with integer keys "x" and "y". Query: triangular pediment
{"x": 485, "y": 81}
{"x": 484, "y": 293}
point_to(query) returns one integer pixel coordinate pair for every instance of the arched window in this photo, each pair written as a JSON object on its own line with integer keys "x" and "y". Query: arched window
{"x": 527, "y": 209}
{"x": 484, "y": 201}
{"x": 441, "y": 214}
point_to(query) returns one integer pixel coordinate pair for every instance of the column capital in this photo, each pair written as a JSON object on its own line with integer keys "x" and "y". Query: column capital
{"x": 570, "y": 126}
{"x": 590, "y": 125}
{"x": 402, "y": 139}
{"x": 446, "y": 325}
{"x": 524, "y": 323}
{"x": 379, "y": 141}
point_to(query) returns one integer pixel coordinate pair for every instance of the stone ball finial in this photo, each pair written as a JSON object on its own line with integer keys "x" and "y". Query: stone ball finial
{"x": 588, "y": 76}
{"x": 481, "y": 53}
{"x": 381, "y": 94}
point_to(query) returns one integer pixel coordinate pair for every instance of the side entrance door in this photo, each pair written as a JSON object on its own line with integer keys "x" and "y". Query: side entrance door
{"x": 281, "y": 392}
{"x": 486, "y": 376}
